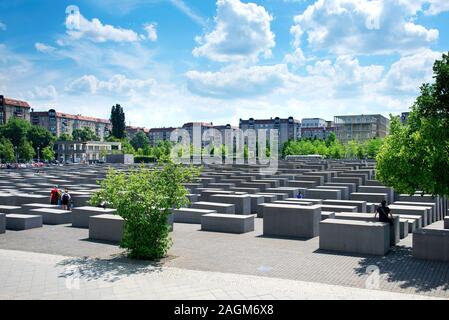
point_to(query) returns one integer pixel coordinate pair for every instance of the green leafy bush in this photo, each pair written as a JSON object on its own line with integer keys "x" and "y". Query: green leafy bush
{"x": 145, "y": 159}
{"x": 144, "y": 198}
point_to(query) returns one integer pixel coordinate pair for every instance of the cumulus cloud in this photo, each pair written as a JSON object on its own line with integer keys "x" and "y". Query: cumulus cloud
{"x": 242, "y": 32}
{"x": 79, "y": 27}
{"x": 2, "y": 26}
{"x": 118, "y": 84}
{"x": 363, "y": 27}
{"x": 238, "y": 82}
{"x": 408, "y": 73}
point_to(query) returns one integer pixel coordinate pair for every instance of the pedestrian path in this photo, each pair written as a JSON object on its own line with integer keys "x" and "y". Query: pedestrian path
{"x": 26, "y": 275}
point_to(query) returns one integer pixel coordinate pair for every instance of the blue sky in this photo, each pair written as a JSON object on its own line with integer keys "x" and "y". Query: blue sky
{"x": 168, "y": 62}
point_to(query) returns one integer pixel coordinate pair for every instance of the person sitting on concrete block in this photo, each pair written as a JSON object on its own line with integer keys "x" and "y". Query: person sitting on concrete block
{"x": 384, "y": 213}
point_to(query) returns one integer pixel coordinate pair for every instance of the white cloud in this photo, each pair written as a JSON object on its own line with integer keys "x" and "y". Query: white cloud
{"x": 151, "y": 31}
{"x": 2, "y": 26}
{"x": 363, "y": 27}
{"x": 42, "y": 47}
{"x": 437, "y": 6}
{"x": 79, "y": 27}
{"x": 118, "y": 84}
{"x": 408, "y": 73}
{"x": 238, "y": 82}
{"x": 242, "y": 32}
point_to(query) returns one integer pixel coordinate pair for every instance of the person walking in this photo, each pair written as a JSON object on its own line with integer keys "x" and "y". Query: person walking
{"x": 66, "y": 200}
{"x": 55, "y": 195}
{"x": 384, "y": 213}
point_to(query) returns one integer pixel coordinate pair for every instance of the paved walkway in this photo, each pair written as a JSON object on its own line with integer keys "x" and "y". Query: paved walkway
{"x": 254, "y": 255}
{"x": 26, "y": 275}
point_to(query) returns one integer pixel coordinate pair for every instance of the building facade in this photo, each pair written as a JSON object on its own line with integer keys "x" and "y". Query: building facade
{"x": 361, "y": 127}
{"x": 59, "y": 123}
{"x": 132, "y": 131}
{"x": 85, "y": 152}
{"x": 10, "y": 108}
{"x": 157, "y": 135}
{"x": 316, "y": 128}
{"x": 288, "y": 129}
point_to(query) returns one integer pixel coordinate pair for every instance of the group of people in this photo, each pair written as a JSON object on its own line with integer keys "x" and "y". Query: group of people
{"x": 61, "y": 198}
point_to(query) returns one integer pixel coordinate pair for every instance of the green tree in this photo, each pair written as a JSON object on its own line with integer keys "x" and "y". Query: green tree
{"x": 7, "y": 153}
{"x": 118, "y": 122}
{"x": 140, "y": 140}
{"x": 144, "y": 198}
{"x": 40, "y": 137}
{"x": 373, "y": 147}
{"x": 85, "y": 134}
{"x": 16, "y": 130}
{"x": 65, "y": 137}
{"x": 415, "y": 157}
{"x": 26, "y": 151}
{"x": 48, "y": 154}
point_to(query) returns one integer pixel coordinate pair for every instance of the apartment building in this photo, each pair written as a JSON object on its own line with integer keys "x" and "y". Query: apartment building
{"x": 361, "y": 127}
{"x": 59, "y": 123}
{"x": 13, "y": 108}
{"x": 316, "y": 128}
{"x": 288, "y": 128}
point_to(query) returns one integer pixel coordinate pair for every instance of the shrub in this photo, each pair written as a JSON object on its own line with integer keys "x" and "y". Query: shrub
{"x": 144, "y": 198}
{"x": 145, "y": 159}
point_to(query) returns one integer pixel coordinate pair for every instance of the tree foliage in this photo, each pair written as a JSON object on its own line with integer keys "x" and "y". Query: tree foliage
{"x": 144, "y": 198}
{"x": 416, "y": 155}
{"x": 140, "y": 141}
{"x": 118, "y": 122}
{"x": 84, "y": 135}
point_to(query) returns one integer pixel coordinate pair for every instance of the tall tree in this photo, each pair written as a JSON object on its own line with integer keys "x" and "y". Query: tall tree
{"x": 415, "y": 157}
{"x": 118, "y": 122}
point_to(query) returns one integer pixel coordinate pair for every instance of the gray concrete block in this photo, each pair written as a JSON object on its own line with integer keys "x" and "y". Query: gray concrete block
{"x": 106, "y": 227}
{"x": 404, "y": 228}
{"x": 323, "y": 194}
{"x": 227, "y": 223}
{"x": 10, "y": 209}
{"x": 338, "y": 208}
{"x": 291, "y": 220}
{"x": 357, "y": 237}
{"x": 344, "y": 190}
{"x": 411, "y": 210}
{"x": 224, "y": 208}
{"x": 2, "y": 223}
{"x": 81, "y": 215}
{"x": 188, "y": 215}
{"x": 18, "y": 222}
{"x": 361, "y": 205}
{"x": 395, "y": 234}
{"x": 53, "y": 216}
{"x": 242, "y": 203}
{"x": 369, "y": 197}
{"x": 431, "y": 244}
{"x": 446, "y": 222}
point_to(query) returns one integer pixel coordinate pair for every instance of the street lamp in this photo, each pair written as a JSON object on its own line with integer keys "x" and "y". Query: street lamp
{"x": 17, "y": 154}
{"x": 38, "y": 154}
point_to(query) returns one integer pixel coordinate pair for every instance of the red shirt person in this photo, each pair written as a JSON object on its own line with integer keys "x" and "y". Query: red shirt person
{"x": 54, "y": 196}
